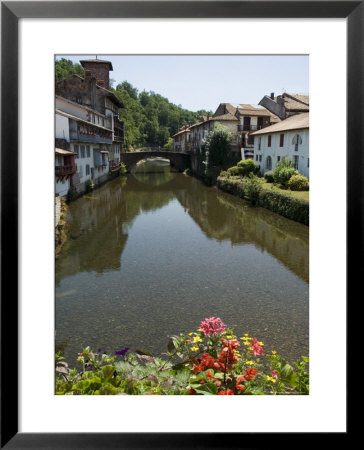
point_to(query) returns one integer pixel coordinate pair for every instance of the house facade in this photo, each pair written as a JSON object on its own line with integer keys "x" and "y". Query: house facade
{"x": 87, "y": 120}
{"x": 288, "y": 138}
{"x": 199, "y": 131}
{"x": 252, "y": 118}
{"x": 182, "y": 139}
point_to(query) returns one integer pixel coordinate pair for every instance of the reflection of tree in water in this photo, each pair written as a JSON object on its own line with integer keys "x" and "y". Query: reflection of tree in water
{"x": 99, "y": 222}
{"x": 223, "y": 217}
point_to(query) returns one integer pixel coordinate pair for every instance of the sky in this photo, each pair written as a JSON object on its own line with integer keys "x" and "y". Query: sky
{"x": 204, "y": 81}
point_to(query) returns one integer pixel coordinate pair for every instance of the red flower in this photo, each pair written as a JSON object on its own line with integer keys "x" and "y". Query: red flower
{"x": 249, "y": 374}
{"x": 238, "y": 386}
{"x": 197, "y": 368}
{"x": 209, "y": 375}
{"x": 207, "y": 361}
{"x": 227, "y": 392}
{"x": 227, "y": 357}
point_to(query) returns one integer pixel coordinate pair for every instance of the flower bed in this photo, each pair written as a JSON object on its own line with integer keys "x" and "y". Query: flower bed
{"x": 209, "y": 361}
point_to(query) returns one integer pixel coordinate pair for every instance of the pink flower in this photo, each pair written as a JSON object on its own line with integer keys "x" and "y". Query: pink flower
{"x": 275, "y": 374}
{"x": 256, "y": 348}
{"x": 212, "y": 326}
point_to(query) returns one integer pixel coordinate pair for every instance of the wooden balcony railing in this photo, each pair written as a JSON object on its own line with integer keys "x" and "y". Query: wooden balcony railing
{"x": 62, "y": 171}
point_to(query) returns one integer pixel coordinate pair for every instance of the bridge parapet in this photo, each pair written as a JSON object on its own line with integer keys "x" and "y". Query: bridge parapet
{"x": 180, "y": 161}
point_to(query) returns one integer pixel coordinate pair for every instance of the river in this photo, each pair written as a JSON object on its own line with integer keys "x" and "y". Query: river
{"x": 154, "y": 253}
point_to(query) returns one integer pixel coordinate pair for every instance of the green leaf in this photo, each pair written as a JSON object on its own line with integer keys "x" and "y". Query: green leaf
{"x": 108, "y": 372}
{"x": 206, "y": 389}
{"x": 143, "y": 352}
{"x": 286, "y": 371}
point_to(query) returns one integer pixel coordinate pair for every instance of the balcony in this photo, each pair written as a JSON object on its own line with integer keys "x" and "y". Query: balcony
{"x": 249, "y": 127}
{"x": 89, "y": 138}
{"x": 63, "y": 171}
{"x": 118, "y": 138}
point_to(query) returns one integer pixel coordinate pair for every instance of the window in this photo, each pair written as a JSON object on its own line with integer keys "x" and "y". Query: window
{"x": 295, "y": 162}
{"x": 260, "y": 158}
{"x": 278, "y": 158}
{"x": 296, "y": 141}
{"x": 281, "y": 140}
{"x": 82, "y": 151}
{"x": 75, "y": 149}
{"x": 88, "y": 151}
{"x": 269, "y": 141}
{"x": 259, "y": 143}
{"x": 268, "y": 163}
{"x": 79, "y": 100}
{"x": 87, "y": 169}
{"x": 308, "y": 162}
{"x": 256, "y": 158}
{"x": 80, "y": 171}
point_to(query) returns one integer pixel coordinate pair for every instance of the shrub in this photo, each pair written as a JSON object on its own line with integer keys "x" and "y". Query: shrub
{"x": 283, "y": 171}
{"x": 285, "y": 205}
{"x": 253, "y": 187}
{"x": 298, "y": 183}
{"x": 89, "y": 186}
{"x": 269, "y": 176}
{"x": 248, "y": 166}
{"x": 234, "y": 171}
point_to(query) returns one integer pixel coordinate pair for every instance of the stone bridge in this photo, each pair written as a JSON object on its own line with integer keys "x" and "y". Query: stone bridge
{"x": 179, "y": 161}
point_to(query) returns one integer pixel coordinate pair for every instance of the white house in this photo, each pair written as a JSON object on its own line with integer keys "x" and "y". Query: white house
{"x": 289, "y": 138}
{"x": 65, "y": 166}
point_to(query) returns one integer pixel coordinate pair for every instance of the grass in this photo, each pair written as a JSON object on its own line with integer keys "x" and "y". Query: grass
{"x": 302, "y": 195}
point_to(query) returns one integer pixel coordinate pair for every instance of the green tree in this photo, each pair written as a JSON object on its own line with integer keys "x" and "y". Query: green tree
{"x": 65, "y": 67}
{"x": 217, "y": 146}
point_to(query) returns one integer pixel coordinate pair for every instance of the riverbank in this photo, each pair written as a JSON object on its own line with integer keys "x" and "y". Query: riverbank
{"x": 60, "y": 233}
{"x": 284, "y": 204}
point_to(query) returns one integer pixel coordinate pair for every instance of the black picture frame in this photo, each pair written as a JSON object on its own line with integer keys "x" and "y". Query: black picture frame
{"x": 11, "y": 12}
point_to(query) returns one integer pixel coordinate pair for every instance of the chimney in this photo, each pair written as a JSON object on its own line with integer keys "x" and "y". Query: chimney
{"x": 272, "y": 95}
{"x": 99, "y": 69}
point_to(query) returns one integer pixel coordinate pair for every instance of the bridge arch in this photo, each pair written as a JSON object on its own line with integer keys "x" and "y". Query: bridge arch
{"x": 179, "y": 161}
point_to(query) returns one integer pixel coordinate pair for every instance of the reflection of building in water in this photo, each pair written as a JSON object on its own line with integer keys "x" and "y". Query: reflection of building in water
{"x": 97, "y": 237}
{"x": 100, "y": 223}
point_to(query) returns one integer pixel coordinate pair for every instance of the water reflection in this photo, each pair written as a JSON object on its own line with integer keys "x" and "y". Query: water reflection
{"x": 100, "y": 221}
{"x": 154, "y": 253}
